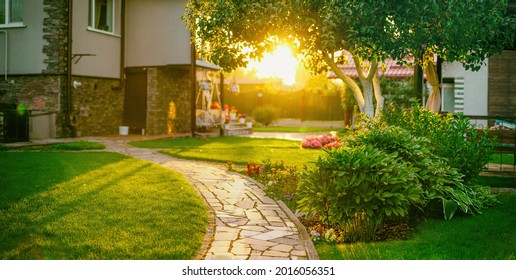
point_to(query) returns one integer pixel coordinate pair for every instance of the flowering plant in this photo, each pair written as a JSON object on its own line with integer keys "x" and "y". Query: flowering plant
{"x": 319, "y": 142}
{"x": 215, "y": 105}
{"x": 233, "y": 110}
{"x": 241, "y": 116}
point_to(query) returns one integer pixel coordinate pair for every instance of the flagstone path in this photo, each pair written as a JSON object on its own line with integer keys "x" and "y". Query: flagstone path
{"x": 246, "y": 224}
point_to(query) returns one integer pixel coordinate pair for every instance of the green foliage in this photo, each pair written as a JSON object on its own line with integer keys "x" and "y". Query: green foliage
{"x": 266, "y": 114}
{"x": 453, "y": 138}
{"x": 384, "y": 173}
{"x": 358, "y": 187}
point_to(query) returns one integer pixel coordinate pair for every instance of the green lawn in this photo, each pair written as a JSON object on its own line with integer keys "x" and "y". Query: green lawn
{"x": 95, "y": 205}
{"x": 239, "y": 150}
{"x": 489, "y": 236}
{"x": 302, "y": 129}
{"x": 502, "y": 159}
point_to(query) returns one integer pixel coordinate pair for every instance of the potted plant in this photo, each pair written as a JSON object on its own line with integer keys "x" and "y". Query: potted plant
{"x": 249, "y": 122}
{"x": 232, "y": 113}
{"x": 241, "y": 118}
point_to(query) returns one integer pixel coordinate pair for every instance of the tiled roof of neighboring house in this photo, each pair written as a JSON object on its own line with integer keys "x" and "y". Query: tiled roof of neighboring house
{"x": 392, "y": 69}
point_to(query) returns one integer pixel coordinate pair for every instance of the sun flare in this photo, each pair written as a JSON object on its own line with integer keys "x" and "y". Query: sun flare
{"x": 280, "y": 64}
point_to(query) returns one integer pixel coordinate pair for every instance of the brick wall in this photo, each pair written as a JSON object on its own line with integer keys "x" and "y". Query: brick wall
{"x": 97, "y": 107}
{"x": 168, "y": 100}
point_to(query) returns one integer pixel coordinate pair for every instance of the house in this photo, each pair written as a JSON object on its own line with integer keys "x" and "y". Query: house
{"x": 491, "y": 91}
{"x": 85, "y": 68}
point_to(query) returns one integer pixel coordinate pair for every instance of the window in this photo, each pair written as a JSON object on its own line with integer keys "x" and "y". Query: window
{"x": 11, "y": 12}
{"x": 101, "y": 15}
{"x": 448, "y": 97}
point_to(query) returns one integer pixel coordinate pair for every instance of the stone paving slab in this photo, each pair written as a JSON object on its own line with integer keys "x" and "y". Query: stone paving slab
{"x": 248, "y": 225}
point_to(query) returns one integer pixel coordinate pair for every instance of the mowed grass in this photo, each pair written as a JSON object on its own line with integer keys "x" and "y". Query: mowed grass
{"x": 95, "y": 205}
{"x": 301, "y": 129}
{"x": 489, "y": 236}
{"x": 239, "y": 150}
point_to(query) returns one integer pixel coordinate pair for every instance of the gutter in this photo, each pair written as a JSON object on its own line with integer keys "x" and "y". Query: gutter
{"x": 5, "y": 55}
{"x": 121, "y": 81}
{"x": 193, "y": 105}
{"x": 69, "y": 107}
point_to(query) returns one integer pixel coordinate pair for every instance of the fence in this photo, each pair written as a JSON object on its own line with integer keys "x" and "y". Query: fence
{"x": 503, "y": 129}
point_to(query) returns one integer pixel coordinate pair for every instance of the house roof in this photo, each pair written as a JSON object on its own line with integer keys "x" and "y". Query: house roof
{"x": 392, "y": 69}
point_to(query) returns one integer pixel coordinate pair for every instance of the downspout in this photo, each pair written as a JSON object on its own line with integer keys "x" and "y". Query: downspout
{"x": 69, "y": 106}
{"x": 121, "y": 81}
{"x": 193, "y": 106}
{"x": 5, "y": 55}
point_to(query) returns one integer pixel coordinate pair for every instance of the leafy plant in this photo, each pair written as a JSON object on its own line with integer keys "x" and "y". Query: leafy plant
{"x": 439, "y": 181}
{"x": 453, "y": 138}
{"x": 266, "y": 115}
{"x": 357, "y": 187}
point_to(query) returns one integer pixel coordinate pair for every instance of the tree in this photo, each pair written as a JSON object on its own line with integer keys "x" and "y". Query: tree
{"x": 370, "y": 30}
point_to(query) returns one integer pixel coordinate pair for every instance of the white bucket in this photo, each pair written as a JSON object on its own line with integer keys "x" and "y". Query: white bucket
{"x": 123, "y": 130}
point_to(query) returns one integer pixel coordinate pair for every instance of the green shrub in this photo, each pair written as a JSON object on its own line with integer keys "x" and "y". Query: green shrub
{"x": 266, "y": 115}
{"x": 383, "y": 174}
{"x": 357, "y": 187}
{"x": 451, "y": 137}
{"x": 439, "y": 181}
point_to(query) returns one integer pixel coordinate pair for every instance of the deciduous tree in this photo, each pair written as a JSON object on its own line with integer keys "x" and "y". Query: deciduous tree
{"x": 467, "y": 31}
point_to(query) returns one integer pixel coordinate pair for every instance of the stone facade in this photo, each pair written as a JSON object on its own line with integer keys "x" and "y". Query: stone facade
{"x": 98, "y": 108}
{"x": 169, "y": 100}
{"x": 55, "y": 32}
{"x": 38, "y": 94}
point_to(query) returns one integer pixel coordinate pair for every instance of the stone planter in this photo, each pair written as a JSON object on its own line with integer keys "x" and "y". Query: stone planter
{"x": 249, "y": 124}
{"x": 232, "y": 116}
{"x": 242, "y": 120}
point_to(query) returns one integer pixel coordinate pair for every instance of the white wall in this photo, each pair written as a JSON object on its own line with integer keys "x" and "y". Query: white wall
{"x": 105, "y": 47}
{"x": 155, "y": 33}
{"x": 25, "y": 44}
{"x": 475, "y": 87}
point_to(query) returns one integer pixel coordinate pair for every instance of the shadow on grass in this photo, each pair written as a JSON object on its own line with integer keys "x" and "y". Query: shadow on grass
{"x": 129, "y": 209}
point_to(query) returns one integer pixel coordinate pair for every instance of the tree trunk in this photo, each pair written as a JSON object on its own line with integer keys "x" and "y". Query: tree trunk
{"x": 366, "y": 79}
{"x": 367, "y": 87}
{"x": 378, "y": 94}
{"x": 357, "y": 92}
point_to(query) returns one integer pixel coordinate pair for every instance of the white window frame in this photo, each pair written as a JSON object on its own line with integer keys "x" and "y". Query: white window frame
{"x": 91, "y": 19}
{"x": 7, "y": 23}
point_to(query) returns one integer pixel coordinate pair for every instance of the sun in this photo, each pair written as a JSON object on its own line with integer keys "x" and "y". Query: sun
{"x": 279, "y": 64}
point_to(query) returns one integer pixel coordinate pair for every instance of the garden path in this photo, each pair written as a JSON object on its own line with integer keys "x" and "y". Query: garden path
{"x": 245, "y": 223}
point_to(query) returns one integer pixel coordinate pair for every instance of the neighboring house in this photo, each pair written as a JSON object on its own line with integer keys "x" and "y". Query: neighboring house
{"x": 105, "y": 64}
{"x": 491, "y": 91}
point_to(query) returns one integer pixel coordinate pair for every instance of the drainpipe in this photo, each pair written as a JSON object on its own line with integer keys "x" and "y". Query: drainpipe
{"x": 193, "y": 93}
{"x": 121, "y": 81}
{"x": 5, "y": 55}
{"x": 69, "y": 107}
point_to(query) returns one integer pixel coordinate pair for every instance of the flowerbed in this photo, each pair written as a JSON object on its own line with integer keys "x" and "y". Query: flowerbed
{"x": 319, "y": 142}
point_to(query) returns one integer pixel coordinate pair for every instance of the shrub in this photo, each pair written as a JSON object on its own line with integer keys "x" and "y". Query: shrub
{"x": 357, "y": 187}
{"x": 439, "y": 181}
{"x": 383, "y": 173}
{"x": 266, "y": 115}
{"x": 451, "y": 137}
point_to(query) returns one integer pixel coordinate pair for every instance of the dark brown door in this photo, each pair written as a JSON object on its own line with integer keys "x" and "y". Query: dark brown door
{"x": 135, "y": 104}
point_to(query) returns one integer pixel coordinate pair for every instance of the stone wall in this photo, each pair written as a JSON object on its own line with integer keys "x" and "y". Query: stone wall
{"x": 97, "y": 108}
{"x": 37, "y": 94}
{"x": 168, "y": 100}
{"x": 55, "y": 32}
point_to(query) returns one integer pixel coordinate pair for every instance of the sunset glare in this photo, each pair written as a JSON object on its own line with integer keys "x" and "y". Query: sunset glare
{"x": 280, "y": 64}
